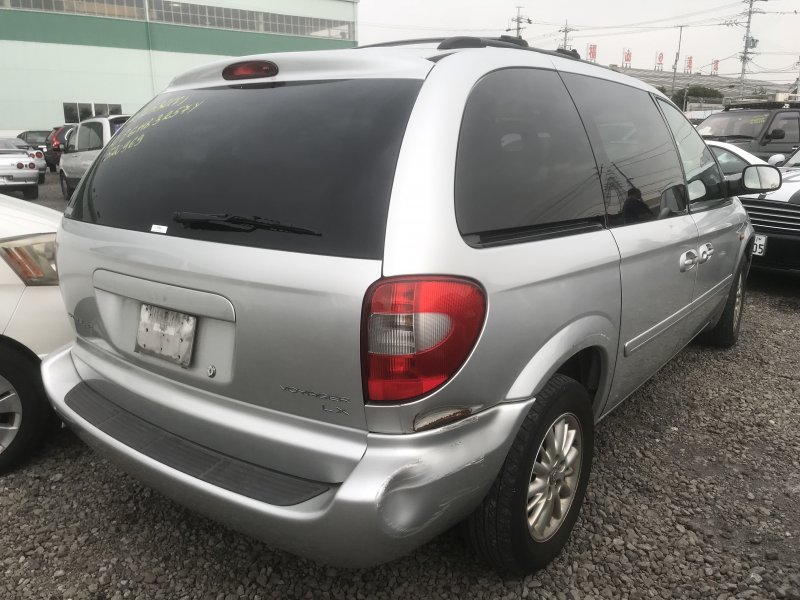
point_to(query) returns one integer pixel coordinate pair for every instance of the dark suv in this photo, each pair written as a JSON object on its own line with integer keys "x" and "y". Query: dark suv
{"x": 761, "y": 128}
{"x": 52, "y": 153}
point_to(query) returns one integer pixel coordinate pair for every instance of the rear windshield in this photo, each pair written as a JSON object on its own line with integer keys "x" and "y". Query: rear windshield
{"x": 9, "y": 147}
{"x": 743, "y": 125}
{"x": 37, "y": 137}
{"x": 116, "y": 124}
{"x": 319, "y": 156}
{"x": 62, "y": 133}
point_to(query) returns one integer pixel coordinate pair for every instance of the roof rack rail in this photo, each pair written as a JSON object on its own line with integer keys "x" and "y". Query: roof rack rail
{"x": 768, "y": 104}
{"x": 410, "y": 42}
{"x": 464, "y": 41}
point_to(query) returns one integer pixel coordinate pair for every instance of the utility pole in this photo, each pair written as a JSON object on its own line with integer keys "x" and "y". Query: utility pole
{"x": 519, "y": 20}
{"x": 748, "y": 43}
{"x": 677, "y": 58}
{"x": 797, "y": 88}
{"x": 567, "y": 29}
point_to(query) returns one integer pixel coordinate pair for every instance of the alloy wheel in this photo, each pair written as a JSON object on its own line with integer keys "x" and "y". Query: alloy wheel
{"x": 10, "y": 413}
{"x": 554, "y": 477}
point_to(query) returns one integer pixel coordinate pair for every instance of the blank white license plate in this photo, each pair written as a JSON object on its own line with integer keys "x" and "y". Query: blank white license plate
{"x": 166, "y": 334}
{"x": 760, "y": 245}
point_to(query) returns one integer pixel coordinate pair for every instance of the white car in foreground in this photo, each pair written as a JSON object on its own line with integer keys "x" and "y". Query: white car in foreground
{"x": 33, "y": 322}
{"x": 775, "y": 215}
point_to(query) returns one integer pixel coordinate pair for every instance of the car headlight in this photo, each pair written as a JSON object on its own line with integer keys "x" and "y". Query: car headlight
{"x": 33, "y": 258}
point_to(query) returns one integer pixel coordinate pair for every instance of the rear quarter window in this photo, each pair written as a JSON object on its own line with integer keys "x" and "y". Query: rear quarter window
{"x": 318, "y": 155}
{"x": 524, "y": 161}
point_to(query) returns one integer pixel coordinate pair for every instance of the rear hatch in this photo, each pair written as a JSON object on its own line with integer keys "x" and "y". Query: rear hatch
{"x": 225, "y": 238}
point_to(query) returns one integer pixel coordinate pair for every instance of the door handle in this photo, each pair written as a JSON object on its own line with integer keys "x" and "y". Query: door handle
{"x": 688, "y": 260}
{"x": 706, "y": 252}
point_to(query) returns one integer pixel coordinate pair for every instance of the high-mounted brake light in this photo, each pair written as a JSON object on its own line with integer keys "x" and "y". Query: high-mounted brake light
{"x": 251, "y": 69}
{"x": 417, "y": 333}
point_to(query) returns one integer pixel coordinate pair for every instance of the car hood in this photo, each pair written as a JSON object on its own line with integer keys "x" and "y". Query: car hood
{"x": 788, "y": 192}
{"x": 18, "y": 217}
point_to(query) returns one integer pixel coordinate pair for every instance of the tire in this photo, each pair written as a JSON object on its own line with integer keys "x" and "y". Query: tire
{"x": 24, "y": 410}
{"x": 31, "y": 193}
{"x": 725, "y": 333}
{"x": 65, "y": 189}
{"x": 41, "y": 178}
{"x": 52, "y": 168}
{"x": 499, "y": 530}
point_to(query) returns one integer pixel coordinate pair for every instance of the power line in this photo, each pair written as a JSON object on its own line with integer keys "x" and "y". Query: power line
{"x": 670, "y": 18}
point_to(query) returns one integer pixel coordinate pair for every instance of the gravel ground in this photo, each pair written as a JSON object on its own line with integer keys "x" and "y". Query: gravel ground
{"x": 695, "y": 493}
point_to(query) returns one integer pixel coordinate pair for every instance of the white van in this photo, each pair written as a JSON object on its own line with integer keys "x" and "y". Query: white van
{"x": 83, "y": 145}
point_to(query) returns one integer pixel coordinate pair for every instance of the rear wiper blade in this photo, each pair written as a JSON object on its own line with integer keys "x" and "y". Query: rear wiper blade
{"x": 236, "y": 223}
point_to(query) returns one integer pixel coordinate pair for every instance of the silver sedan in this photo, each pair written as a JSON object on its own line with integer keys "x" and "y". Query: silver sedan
{"x": 18, "y": 172}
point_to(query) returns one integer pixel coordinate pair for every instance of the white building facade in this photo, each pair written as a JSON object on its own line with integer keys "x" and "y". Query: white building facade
{"x": 62, "y": 61}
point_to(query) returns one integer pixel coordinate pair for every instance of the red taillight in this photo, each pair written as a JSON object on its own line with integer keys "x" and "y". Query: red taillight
{"x": 39, "y": 155}
{"x": 417, "y": 334}
{"x": 31, "y": 165}
{"x": 251, "y": 69}
{"x": 20, "y": 166}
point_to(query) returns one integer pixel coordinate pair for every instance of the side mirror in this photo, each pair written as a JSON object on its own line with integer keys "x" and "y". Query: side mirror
{"x": 761, "y": 178}
{"x": 754, "y": 178}
{"x": 776, "y": 160}
{"x": 777, "y": 134}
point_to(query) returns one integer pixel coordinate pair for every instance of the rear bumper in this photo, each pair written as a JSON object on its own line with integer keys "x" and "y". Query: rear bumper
{"x": 52, "y": 158}
{"x": 30, "y": 178}
{"x": 405, "y": 490}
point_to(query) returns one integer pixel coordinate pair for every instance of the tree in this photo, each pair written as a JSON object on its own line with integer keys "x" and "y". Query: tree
{"x": 695, "y": 93}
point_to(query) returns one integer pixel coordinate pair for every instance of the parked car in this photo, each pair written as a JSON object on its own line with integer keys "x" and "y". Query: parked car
{"x": 34, "y": 153}
{"x": 82, "y": 146}
{"x": 776, "y": 219}
{"x": 732, "y": 159}
{"x": 33, "y": 322}
{"x": 761, "y": 128}
{"x": 37, "y": 138}
{"x": 18, "y": 171}
{"x": 263, "y": 335}
{"x": 52, "y": 153}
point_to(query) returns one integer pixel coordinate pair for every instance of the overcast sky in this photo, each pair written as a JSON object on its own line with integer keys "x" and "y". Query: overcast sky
{"x": 651, "y": 29}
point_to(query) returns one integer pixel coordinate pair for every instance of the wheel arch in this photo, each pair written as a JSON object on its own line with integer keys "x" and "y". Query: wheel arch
{"x": 14, "y": 345}
{"x": 584, "y": 350}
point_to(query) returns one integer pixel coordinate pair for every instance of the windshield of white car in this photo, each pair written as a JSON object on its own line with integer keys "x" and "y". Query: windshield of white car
{"x": 793, "y": 161}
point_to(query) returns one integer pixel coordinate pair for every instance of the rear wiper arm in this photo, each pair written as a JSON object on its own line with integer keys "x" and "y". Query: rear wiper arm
{"x": 236, "y": 223}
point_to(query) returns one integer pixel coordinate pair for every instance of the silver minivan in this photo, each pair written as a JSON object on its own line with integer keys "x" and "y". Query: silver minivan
{"x": 81, "y": 148}
{"x": 343, "y": 301}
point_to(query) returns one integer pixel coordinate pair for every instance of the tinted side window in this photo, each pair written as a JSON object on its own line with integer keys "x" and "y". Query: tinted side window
{"x": 90, "y": 137}
{"x": 790, "y": 123}
{"x": 698, "y": 161}
{"x": 641, "y": 175}
{"x": 523, "y": 157}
